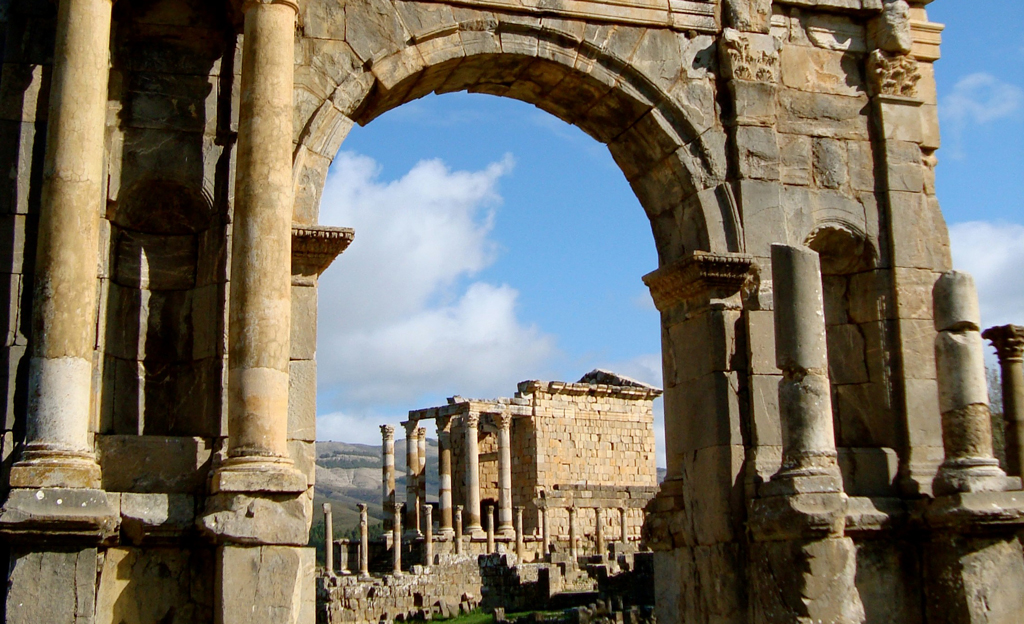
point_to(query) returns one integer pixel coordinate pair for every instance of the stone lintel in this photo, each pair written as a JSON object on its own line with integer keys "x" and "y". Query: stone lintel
{"x": 701, "y": 274}
{"x": 967, "y": 511}
{"x": 59, "y": 514}
{"x": 314, "y": 248}
{"x": 680, "y": 15}
{"x": 1008, "y": 341}
{"x": 644, "y": 393}
{"x": 799, "y": 516}
{"x": 863, "y": 7}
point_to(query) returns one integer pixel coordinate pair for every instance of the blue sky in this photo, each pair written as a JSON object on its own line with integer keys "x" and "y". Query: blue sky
{"x": 495, "y": 243}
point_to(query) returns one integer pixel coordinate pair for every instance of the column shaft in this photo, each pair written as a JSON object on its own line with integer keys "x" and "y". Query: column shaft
{"x": 520, "y": 547}
{"x": 599, "y": 532}
{"x": 574, "y": 552}
{"x": 364, "y": 542}
{"x": 259, "y": 341}
{"x": 1009, "y": 343}
{"x": 421, "y": 474}
{"x": 545, "y": 532}
{"x": 623, "y": 526}
{"x": 388, "y": 471}
{"x": 329, "y": 539}
{"x": 471, "y": 422}
{"x": 805, "y": 405}
{"x": 412, "y": 466}
{"x": 490, "y": 528}
{"x": 444, "y": 470}
{"x": 57, "y": 451}
{"x": 428, "y": 535}
{"x": 458, "y": 530}
{"x": 969, "y": 464}
{"x": 396, "y": 541}
{"x": 504, "y": 423}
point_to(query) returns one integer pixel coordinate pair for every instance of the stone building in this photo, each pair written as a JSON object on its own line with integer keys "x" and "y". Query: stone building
{"x": 160, "y": 253}
{"x": 587, "y": 445}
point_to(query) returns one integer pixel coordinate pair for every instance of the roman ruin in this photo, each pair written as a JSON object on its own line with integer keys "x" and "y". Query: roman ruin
{"x": 828, "y": 435}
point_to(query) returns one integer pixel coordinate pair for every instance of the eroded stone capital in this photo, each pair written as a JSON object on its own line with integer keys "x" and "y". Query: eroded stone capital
{"x": 701, "y": 274}
{"x": 503, "y": 421}
{"x": 471, "y": 420}
{"x": 387, "y": 432}
{"x": 1008, "y": 341}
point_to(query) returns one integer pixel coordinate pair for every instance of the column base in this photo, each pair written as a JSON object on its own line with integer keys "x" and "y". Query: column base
{"x": 972, "y": 475}
{"x": 43, "y": 466}
{"x": 58, "y": 513}
{"x": 258, "y": 474}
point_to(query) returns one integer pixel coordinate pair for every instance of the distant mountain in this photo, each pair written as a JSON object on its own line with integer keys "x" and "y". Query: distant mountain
{"x": 349, "y": 474}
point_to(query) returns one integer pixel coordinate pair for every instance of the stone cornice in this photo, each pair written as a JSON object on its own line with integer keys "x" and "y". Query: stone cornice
{"x": 703, "y": 273}
{"x": 314, "y": 247}
{"x": 601, "y": 390}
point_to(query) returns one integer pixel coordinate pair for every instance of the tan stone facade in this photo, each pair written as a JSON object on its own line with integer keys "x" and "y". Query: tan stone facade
{"x": 160, "y": 253}
{"x": 588, "y": 444}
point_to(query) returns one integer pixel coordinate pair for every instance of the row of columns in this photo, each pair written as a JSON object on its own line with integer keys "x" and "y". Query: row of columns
{"x": 809, "y": 451}
{"x": 416, "y": 457}
{"x": 58, "y": 451}
{"x": 428, "y": 552}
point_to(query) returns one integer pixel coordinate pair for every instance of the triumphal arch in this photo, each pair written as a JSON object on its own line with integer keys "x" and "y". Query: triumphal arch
{"x": 828, "y": 443}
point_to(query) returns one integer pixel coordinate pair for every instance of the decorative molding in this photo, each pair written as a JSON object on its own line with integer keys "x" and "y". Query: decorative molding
{"x": 679, "y": 15}
{"x": 314, "y": 247}
{"x": 927, "y": 38}
{"x": 716, "y": 275}
{"x": 893, "y": 74}
{"x": 750, "y": 56}
{"x": 1008, "y": 341}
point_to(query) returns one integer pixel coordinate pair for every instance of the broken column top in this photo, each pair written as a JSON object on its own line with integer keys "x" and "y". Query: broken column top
{"x": 955, "y": 302}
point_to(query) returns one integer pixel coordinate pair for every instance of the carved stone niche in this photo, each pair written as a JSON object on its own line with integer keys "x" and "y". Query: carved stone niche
{"x": 699, "y": 280}
{"x": 314, "y": 248}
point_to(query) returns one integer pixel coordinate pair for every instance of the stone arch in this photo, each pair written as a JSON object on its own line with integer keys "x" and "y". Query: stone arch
{"x": 662, "y": 133}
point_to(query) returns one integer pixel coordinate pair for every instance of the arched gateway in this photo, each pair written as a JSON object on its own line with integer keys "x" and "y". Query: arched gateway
{"x": 160, "y": 404}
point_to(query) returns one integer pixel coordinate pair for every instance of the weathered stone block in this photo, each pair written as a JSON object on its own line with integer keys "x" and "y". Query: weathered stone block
{"x": 815, "y": 114}
{"x": 795, "y": 155}
{"x": 303, "y": 340}
{"x": 847, "y": 355}
{"x": 758, "y": 153}
{"x": 133, "y": 463}
{"x": 302, "y": 400}
{"x": 830, "y": 166}
{"x": 53, "y": 586}
{"x": 868, "y": 471}
{"x": 156, "y": 516}
{"x": 167, "y": 585}
{"x": 265, "y": 583}
{"x": 974, "y": 579}
{"x": 822, "y": 71}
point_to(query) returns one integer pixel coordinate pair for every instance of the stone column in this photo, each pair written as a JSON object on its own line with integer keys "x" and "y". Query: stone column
{"x": 545, "y": 532}
{"x": 490, "y": 528}
{"x": 428, "y": 535}
{"x": 329, "y": 538}
{"x": 1009, "y": 343}
{"x": 421, "y": 473}
{"x": 574, "y": 551}
{"x": 624, "y": 526}
{"x": 396, "y": 541}
{"x": 969, "y": 464}
{"x": 387, "y": 432}
{"x": 520, "y": 550}
{"x": 504, "y": 424}
{"x": 342, "y": 545}
{"x": 805, "y": 404}
{"x": 412, "y": 466}
{"x": 259, "y": 342}
{"x": 599, "y": 532}
{"x": 364, "y": 542}
{"x": 444, "y": 475}
{"x": 458, "y": 530}
{"x": 58, "y": 451}
{"x": 471, "y": 422}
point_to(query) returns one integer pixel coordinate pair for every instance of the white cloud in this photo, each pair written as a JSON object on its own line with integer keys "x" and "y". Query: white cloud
{"x": 398, "y": 315}
{"x": 344, "y": 427}
{"x": 994, "y": 254}
{"x": 981, "y": 98}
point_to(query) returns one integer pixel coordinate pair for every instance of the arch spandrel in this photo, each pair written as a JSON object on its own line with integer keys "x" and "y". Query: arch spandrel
{"x": 649, "y": 95}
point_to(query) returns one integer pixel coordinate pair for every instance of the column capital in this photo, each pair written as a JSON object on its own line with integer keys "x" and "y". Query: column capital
{"x": 410, "y": 428}
{"x": 387, "y": 432}
{"x": 251, "y": 4}
{"x": 361, "y": 507}
{"x": 503, "y": 421}
{"x": 471, "y": 420}
{"x": 444, "y": 424}
{"x": 1008, "y": 341}
{"x": 421, "y": 433}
